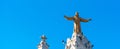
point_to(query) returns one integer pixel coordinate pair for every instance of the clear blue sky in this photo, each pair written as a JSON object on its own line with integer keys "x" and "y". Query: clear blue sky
{"x": 22, "y": 22}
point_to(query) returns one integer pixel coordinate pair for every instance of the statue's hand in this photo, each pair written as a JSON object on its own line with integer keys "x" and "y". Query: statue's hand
{"x": 68, "y": 18}
{"x": 65, "y": 16}
{"x": 89, "y": 19}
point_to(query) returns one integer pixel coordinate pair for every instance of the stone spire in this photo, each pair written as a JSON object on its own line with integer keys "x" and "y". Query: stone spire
{"x": 78, "y": 40}
{"x": 43, "y": 44}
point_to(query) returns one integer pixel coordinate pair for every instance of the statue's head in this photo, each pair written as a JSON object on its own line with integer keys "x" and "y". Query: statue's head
{"x": 76, "y": 14}
{"x": 43, "y": 37}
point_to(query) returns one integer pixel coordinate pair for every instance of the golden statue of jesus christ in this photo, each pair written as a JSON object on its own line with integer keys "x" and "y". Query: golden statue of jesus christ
{"x": 77, "y": 20}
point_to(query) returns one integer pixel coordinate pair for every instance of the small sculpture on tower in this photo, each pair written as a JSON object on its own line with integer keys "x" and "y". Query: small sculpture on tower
{"x": 43, "y": 44}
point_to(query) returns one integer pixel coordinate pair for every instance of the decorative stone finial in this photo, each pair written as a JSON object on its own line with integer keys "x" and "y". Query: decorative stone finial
{"x": 43, "y": 44}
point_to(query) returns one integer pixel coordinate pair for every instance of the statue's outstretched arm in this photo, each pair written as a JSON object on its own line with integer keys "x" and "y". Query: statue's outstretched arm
{"x": 85, "y": 20}
{"x": 68, "y": 18}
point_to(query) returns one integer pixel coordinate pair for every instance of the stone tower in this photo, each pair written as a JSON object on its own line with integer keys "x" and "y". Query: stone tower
{"x": 43, "y": 44}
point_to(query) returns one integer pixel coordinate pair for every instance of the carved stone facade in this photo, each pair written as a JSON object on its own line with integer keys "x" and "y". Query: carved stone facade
{"x": 78, "y": 41}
